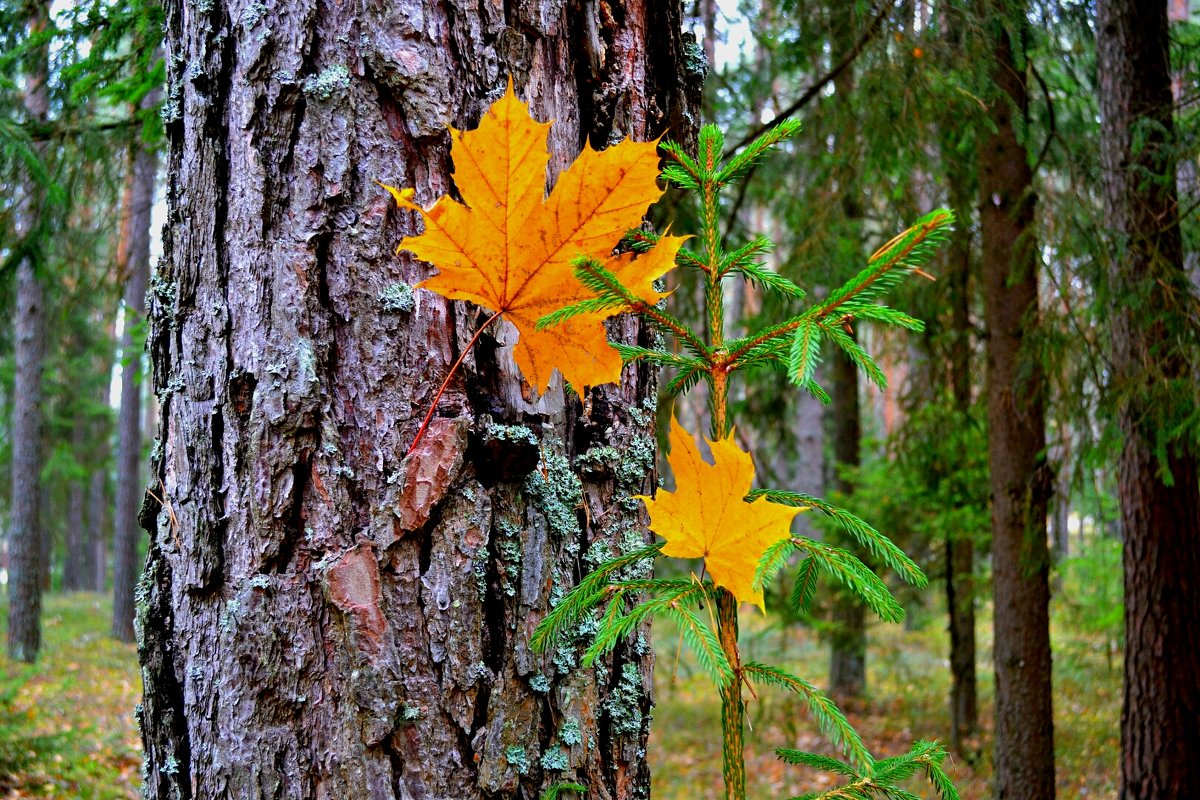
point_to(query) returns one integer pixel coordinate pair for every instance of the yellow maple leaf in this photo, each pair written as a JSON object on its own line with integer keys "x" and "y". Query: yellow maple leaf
{"x": 707, "y": 515}
{"x": 509, "y": 249}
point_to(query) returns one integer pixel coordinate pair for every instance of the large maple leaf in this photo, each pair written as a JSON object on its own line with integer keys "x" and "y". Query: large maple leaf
{"x": 707, "y": 515}
{"x": 509, "y": 248}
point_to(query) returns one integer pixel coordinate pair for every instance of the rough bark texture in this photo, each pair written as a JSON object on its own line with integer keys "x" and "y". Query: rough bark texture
{"x": 134, "y": 261}
{"x": 960, "y": 549}
{"x": 1021, "y": 481}
{"x": 1149, "y": 287}
{"x": 25, "y": 528}
{"x": 321, "y": 617}
{"x": 848, "y": 642}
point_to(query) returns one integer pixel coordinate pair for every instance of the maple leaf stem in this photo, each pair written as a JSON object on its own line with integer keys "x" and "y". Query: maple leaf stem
{"x": 449, "y": 375}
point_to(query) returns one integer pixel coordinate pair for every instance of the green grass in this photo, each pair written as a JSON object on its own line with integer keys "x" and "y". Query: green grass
{"x": 81, "y": 693}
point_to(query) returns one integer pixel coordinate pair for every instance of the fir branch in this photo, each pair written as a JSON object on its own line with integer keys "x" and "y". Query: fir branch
{"x": 854, "y": 575}
{"x": 749, "y": 157}
{"x": 583, "y": 598}
{"x": 683, "y": 381}
{"x": 877, "y": 544}
{"x": 817, "y": 761}
{"x": 854, "y": 351}
{"x": 804, "y": 589}
{"x": 703, "y": 643}
{"x": 631, "y": 353}
{"x": 774, "y": 559}
{"x": 553, "y": 792}
{"x": 829, "y": 717}
{"x": 805, "y": 353}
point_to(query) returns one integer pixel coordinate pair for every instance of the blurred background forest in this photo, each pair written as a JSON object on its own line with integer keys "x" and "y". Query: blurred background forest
{"x": 906, "y": 106}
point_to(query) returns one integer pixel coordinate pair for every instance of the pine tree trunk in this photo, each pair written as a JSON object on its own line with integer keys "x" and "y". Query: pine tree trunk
{"x": 134, "y": 260}
{"x": 321, "y": 617}
{"x": 960, "y": 548}
{"x": 25, "y": 529}
{"x": 848, "y": 642}
{"x": 75, "y": 573}
{"x": 97, "y": 522}
{"x": 1160, "y": 516}
{"x": 1021, "y": 481}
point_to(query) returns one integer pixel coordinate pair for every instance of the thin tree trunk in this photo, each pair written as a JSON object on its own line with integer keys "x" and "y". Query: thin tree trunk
{"x": 960, "y": 547}
{"x": 97, "y": 522}
{"x": 323, "y": 616}
{"x": 848, "y": 642}
{"x": 1021, "y": 480}
{"x": 75, "y": 574}
{"x": 25, "y": 531}
{"x": 1157, "y": 480}
{"x": 134, "y": 260}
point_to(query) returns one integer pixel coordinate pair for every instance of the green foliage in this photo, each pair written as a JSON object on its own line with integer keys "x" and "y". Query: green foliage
{"x": 619, "y": 605}
{"x": 880, "y": 778}
{"x": 556, "y": 791}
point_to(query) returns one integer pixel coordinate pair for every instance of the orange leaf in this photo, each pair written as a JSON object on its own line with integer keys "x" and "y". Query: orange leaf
{"x": 707, "y": 515}
{"x": 509, "y": 248}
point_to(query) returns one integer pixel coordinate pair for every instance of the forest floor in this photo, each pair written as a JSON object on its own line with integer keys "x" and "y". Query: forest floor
{"x": 908, "y": 678}
{"x": 66, "y": 723}
{"x": 82, "y": 693}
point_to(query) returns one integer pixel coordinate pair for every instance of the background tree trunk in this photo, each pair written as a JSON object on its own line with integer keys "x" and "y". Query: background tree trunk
{"x": 1151, "y": 297}
{"x": 134, "y": 261}
{"x": 97, "y": 523}
{"x": 75, "y": 573}
{"x": 1021, "y": 480}
{"x": 848, "y": 642}
{"x": 25, "y": 529}
{"x": 960, "y": 549}
{"x": 321, "y": 616}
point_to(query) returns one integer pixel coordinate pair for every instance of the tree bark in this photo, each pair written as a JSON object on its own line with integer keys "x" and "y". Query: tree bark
{"x": 133, "y": 258}
{"x": 25, "y": 531}
{"x": 1021, "y": 480}
{"x": 75, "y": 573}
{"x": 848, "y": 642}
{"x": 960, "y": 548}
{"x": 1160, "y": 508}
{"x": 321, "y": 616}
{"x": 97, "y": 523}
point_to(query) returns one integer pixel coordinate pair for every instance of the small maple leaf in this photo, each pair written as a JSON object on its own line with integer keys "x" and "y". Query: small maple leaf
{"x": 707, "y": 515}
{"x": 509, "y": 249}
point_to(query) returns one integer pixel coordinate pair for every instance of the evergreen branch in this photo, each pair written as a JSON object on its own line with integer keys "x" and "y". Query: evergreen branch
{"x": 877, "y": 544}
{"x": 875, "y": 312}
{"x": 675, "y": 151}
{"x": 805, "y": 587}
{"x": 802, "y": 758}
{"x": 805, "y": 354}
{"x": 854, "y": 575}
{"x": 596, "y": 305}
{"x": 583, "y": 598}
{"x": 676, "y": 174}
{"x": 631, "y": 353}
{"x": 615, "y": 628}
{"x": 891, "y": 263}
{"x": 854, "y": 351}
{"x": 683, "y": 381}
{"x": 553, "y": 792}
{"x": 813, "y": 388}
{"x": 769, "y": 280}
{"x": 773, "y": 559}
{"x": 703, "y": 643}
{"x": 829, "y": 717}
{"x": 749, "y": 157}
{"x": 595, "y": 277}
